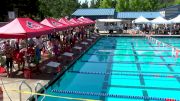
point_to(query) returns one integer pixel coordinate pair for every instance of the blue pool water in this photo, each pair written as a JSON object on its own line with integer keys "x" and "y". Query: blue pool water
{"x": 172, "y": 41}
{"x": 121, "y": 69}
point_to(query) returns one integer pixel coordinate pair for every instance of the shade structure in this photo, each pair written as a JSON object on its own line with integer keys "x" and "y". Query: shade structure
{"x": 160, "y": 20}
{"x": 77, "y": 22}
{"x": 141, "y": 20}
{"x": 93, "y": 22}
{"x": 54, "y": 24}
{"x": 176, "y": 19}
{"x": 87, "y": 21}
{"x": 24, "y": 28}
{"x": 84, "y": 21}
{"x": 67, "y": 22}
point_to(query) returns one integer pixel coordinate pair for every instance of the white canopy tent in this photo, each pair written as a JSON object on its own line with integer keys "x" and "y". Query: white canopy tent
{"x": 176, "y": 19}
{"x": 141, "y": 20}
{"x": 160, "y": 20}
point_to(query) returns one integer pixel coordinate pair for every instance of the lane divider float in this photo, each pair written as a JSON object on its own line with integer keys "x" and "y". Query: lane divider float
{"x": 113, "y": 95}
{"x": 127, "y": 74}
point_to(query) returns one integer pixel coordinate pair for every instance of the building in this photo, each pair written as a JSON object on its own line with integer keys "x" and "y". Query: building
{"x": 95, "y": 13}
{"x": 103, "y": 13}
{"x": 134, "y": 15}
{"x": 170, "y": 12}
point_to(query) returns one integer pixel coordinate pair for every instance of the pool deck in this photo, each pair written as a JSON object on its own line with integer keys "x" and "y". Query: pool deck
{"x": 11, "y": 84}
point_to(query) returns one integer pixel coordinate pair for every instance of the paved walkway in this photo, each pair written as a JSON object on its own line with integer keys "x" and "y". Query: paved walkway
{"x": 13, "y": 84}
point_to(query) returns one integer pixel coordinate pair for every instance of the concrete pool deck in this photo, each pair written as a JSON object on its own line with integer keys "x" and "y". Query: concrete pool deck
{"x": 13, "y": 84}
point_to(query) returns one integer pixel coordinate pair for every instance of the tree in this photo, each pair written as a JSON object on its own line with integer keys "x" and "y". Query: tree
{"x": 114, "y": 2}
{"x": 92, "y": 4}
{"x": 97, "y": 4}
{"x": 23, "y": 7}
{"x": 177, "y": 2}
{"x": 3, "y": 9}
{"x": 57, "y": 8}
{"x": 106, "y": 4}
{"x": 84, "y": 5}
{"x": 142, "y": 5}
{"x": 120, "y": 5}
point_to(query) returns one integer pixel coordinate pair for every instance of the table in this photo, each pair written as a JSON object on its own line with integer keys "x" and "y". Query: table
{"x": 53, "y": 64}
{"x": 84, "y": 43}
{"x": 95, "y": 34}
{"x": 51, "y": 67}
{"x": 77, "y": 47}
{"x": 68, "y": 54}
{"x": 93, "y": 37}
{"x": 89, "y": 40}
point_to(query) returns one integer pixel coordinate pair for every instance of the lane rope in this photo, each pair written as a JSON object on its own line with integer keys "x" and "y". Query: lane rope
{"x": 131, "y": 62}
{"x": 110, "y": 49}
{"x": 175, "y": 50}
{"x": 127, "y": 55}
{"x": 126, "y": 74}
{"x": 112, "y": 95}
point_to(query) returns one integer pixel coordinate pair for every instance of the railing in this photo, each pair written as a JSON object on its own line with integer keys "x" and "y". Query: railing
{"x": 36, "y": 90}
{"x": 20, "y": 87}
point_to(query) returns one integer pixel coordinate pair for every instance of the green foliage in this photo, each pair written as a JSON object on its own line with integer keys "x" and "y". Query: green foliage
{"x": 58, "y": 8}
{"x": 95, "y": 3}
{"x": 114, "y": 3}
{"x": 177, "y": 2}
{"x": 123, "y": 5}
{"x": 142, "y": 5}
{"x": 106, "y": 4}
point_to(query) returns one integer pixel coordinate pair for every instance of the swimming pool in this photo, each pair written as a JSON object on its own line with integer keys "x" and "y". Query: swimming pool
{"x": 121, "y": 69}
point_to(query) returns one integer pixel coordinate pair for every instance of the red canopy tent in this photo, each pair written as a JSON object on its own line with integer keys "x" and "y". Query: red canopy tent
{"x": 85, "y": 20}
{"x": 54, "y": 24}
{"x": 67, "y": 22}
{"x": 92, "y": 22}
{"x": 78, "y": 22}
{"x": 23, "y": 28}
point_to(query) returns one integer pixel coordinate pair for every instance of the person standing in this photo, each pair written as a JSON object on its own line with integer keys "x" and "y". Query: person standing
{"x": 9, "y": 59}
{"x": 111, "y": 29}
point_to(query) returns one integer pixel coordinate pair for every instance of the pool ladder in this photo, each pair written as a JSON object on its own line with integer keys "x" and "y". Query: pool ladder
{"x": 36, "y": 90}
